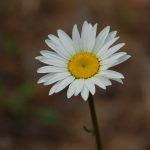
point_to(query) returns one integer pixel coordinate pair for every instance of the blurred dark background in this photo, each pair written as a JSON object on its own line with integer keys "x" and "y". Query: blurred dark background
{"x": 32, "y": 120}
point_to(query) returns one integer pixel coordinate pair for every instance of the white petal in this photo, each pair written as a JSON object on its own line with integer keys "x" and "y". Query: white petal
{"x": 45, "y": 78}
{"x": 57, "y": 62}
{"x": 111, "y": 74}
{"x": 99, "y": 83}
{"x": 76, "y": 38}
{"x": 64, "y": 83}
{"x": 91, "y": 38}
{"x": 66, "y": 42}
{"x": 90, "y": 85}
{"x": 48, "y": 53}
{"x": 112, "y": 50}
{"x": 79, "y": 86}
{"x": 108, "y": 62}
{"x": 48, "y": 69}
{"x": 85, "y": 93}
{"x": 38, "y": 57}
{"x": 105, "y": 80}
{"x": 113, "y": 58}
{"x": 106, "y": 46}
{"x": 85, "y": 35}
{"x": 110, "y": 36}
{"x": 57, "y": 77}
{"x": 118, "y": 80}
{"x": 117, "y": 55}
{"x": 120, "y": 60}
{"x": 51, "y": 55}
{"x": 72, "y": 88}
{"x": 53, "y": 88}
{"x": 56, "y": 45}
{"x": 101, "y": 39}
{"x": 105, "y": 67}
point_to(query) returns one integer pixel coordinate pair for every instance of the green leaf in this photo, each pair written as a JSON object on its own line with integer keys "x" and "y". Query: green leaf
{"x": 88, "y": 130}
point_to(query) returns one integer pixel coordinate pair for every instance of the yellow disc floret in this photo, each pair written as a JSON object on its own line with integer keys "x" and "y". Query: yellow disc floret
{"x": 83, "y": 65}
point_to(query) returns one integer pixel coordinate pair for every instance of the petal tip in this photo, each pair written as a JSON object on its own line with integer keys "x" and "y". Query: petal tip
{"x": 37, "y": 58}
{"x": 85, "y": 98}
{"x": 123, "y": 44}
{"x": 39, "y": 82}
{"x": 47, "y": 41}
{"x": 122, "y": 77}
{"x": 68, "y": 96}
{"x": 37, "y": 70}
{"x": 129, "y": 56}
{"x": 50, "y": 93}
{"x": 104, "y": 88}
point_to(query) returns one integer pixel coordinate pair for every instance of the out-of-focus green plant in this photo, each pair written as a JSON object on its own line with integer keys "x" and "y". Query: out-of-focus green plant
{"x": 11, "y": 45}
{"x": 18, "y": 98}
{"x": 17, "y": 104}
{"x": 46, "y": 116}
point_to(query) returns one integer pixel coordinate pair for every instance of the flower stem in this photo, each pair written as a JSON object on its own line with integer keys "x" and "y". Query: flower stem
{"x": 95, "y": 123}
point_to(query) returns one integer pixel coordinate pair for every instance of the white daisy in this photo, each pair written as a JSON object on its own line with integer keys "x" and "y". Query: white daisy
{"x": 81, "y": 62}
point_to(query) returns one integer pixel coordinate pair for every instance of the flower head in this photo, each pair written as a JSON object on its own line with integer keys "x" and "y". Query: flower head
{"x": 81, "y": 62}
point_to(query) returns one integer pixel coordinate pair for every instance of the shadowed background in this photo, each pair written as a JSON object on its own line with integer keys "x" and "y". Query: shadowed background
{"x": 32, "y": 120}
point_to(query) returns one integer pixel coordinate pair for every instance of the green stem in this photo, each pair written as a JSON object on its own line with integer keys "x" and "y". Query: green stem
{"x": 95, "y": 123}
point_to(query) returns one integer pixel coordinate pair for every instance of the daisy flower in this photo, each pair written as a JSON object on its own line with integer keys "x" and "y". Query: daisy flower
{"x": 83, "y": 62}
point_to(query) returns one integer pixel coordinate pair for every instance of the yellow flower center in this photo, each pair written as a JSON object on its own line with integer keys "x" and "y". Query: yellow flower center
{"x": 83, "y": 65}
